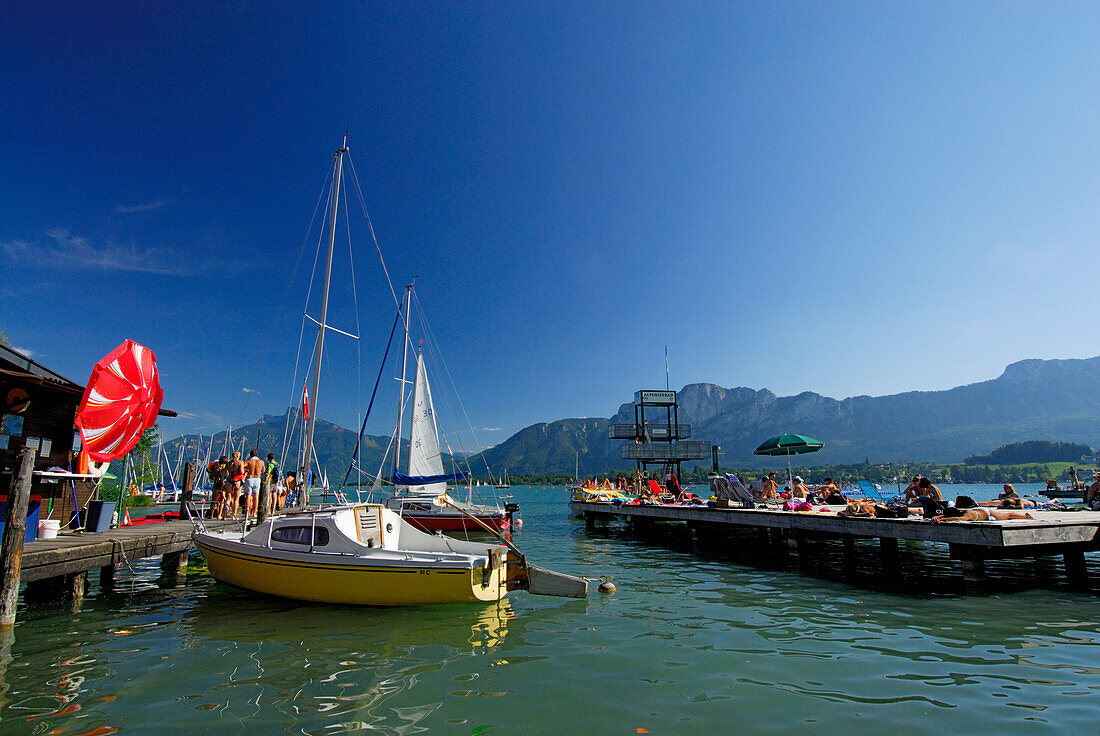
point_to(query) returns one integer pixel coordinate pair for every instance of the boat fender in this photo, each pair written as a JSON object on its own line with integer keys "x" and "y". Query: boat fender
{"x": 606, "y": 586}
{"x": 517, "y": 524}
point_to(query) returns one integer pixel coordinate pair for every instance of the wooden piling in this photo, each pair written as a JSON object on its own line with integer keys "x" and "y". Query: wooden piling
{"x": 1076, "y": 571}
{"x": 891, "y": 559}
{"x": 107, "y": 577}
{"x": 188, "y": 489}
{"x": 264, "y": 502}
{"x": 15, "y": 529}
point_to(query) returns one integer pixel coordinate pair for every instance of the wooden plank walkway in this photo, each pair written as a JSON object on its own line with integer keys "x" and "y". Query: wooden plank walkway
{"x": 1069, "y": 534}
{"x": 76, "y": 553}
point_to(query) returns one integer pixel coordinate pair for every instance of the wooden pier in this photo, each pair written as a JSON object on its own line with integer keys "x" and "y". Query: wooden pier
{"x": 1067, "y": 534}
{"x": 74, "y": 555}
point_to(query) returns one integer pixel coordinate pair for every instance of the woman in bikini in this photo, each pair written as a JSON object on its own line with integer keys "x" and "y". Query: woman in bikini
{"x": 1009, "y": 499}
{"x": 981, "y": 514}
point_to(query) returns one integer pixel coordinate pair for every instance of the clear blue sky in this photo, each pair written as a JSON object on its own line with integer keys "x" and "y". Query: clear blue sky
{"x": 849, "y": 198}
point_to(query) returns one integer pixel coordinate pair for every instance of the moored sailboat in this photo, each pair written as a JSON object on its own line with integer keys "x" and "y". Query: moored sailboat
{"x": 367, "y": 554}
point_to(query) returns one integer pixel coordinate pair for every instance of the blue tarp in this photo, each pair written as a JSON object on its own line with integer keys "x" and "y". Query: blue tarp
{"x": 400, "y": 479}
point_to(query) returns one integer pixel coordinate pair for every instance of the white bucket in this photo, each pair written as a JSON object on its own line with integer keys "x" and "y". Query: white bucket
{"x": 48, "y": 528}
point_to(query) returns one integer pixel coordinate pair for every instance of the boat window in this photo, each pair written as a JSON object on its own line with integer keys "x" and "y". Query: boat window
{"x": 300, "y": 535}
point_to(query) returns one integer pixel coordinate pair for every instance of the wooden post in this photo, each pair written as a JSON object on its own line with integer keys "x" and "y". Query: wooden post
{"x": 174, "y": 562}
{"x": 891, "y": 560}
{"x": 107, "y": 577}
{"x": 849, "y": 555}
{"x": 188, "y": 489}
{"x": 15, "y": 529}
{"x": 589, "y": 521}
{"x": 264, "y": 502}
{"x": 78, "y": 583}
{"x": 1076, "y": 571}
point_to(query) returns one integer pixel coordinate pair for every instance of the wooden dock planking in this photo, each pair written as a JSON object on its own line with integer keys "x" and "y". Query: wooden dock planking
{"x": 76, "y": 553}
{"x": 1049, "y": 533}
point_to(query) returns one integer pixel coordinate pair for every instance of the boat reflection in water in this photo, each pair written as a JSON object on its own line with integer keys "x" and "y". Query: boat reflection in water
{"x": 353, "y": 668}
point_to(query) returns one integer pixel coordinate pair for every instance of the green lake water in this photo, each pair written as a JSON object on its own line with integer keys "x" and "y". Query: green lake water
{"x": 729, "y": 640}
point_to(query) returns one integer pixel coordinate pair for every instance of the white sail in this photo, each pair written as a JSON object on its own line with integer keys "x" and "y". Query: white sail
{"x": 425, "y": 457}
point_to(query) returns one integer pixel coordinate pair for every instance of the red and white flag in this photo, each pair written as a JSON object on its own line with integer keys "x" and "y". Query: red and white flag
{"x": 305, "y": 401}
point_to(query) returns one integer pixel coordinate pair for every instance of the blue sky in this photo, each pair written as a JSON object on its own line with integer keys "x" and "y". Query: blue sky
{"x": 849, "y": 198}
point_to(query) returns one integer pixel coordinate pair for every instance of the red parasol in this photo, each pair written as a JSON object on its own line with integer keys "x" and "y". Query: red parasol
{"x": 121, "y": 401}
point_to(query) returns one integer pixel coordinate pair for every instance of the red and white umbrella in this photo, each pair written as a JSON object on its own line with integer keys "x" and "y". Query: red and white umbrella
{"x": 121, "y": 401}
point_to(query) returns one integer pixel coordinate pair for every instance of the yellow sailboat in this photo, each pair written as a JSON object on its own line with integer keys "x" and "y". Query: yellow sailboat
{"x": 366, "y": 554}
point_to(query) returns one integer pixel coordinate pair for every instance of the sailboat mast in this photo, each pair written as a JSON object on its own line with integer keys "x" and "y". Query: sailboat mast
{"x": 404, "y": 368}
{"x": 303, "y": 495}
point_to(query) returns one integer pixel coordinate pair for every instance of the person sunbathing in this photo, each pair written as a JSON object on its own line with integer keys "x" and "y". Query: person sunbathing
{"x": 1009, "y": 499}
{"x": 980, "y": 514}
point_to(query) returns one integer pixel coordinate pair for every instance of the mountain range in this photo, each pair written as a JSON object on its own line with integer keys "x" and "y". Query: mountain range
{"x": 1056, "y": 400}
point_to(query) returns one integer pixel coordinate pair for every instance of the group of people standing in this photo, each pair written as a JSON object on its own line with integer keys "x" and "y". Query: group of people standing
{"x": 236, "y": 482}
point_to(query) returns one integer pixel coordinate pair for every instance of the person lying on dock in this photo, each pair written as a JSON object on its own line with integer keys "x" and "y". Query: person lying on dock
{"x": 1009, "y": 499}
{"x": 980, "y": 514}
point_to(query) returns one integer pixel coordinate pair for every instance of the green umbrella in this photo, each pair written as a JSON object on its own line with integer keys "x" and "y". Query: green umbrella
{"x": 789, "y": 444}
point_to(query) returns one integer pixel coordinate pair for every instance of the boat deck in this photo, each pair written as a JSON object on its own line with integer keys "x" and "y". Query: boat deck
{"x": 1069, "y": 534}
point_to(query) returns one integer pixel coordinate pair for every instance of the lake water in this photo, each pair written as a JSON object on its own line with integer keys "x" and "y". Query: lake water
{"x": 726, "y": 641}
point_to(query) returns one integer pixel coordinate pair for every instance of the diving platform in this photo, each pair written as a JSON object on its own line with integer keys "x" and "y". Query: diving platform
{"x": 1050, "y": 533}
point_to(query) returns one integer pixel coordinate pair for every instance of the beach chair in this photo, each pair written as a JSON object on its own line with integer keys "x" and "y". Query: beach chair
{"x": 869, "y": 490}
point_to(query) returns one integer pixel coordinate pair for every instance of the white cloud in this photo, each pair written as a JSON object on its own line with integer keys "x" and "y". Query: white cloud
{"x": 73, "y": 251}
{"x": 250, "y": 390}
{"x": 24, "y": 351}
{"x": 121, "y": 209}
{"x": 490, "y": 429}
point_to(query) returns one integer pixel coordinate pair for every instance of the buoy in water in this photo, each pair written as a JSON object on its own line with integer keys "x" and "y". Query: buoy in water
{"x": 517, "y": 523}
{"x": 606, "y": 586}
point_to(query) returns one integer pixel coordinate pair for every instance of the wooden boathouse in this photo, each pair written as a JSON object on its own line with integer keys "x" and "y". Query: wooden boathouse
{"x": 1069, "y": 535}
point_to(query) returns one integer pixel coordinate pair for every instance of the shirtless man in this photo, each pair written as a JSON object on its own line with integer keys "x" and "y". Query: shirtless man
{"x": 912, "y": 491}
{"x": 253, "y": 469}
{"x": 980, "y": 514}
{"x": 770, "y": 487}
{"x": 1092, "y": 496}
{"x": 236, "y": 475}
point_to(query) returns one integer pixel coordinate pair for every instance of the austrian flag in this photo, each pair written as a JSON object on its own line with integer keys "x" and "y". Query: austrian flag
{"x": 305, "y": 401}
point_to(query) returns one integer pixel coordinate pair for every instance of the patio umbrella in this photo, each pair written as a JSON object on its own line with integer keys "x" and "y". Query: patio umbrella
{"x": 789, "y": 444}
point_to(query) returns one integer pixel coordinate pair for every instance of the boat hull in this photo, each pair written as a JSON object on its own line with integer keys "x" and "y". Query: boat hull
{"x": 350, "y": 582}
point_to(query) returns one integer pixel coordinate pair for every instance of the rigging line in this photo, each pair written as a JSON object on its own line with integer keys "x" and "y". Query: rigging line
{"x": 270, "y": 342}
{"x": 370, "y": 226}
{"x": 454, "y": 388}
{"x": 363, "y": 427}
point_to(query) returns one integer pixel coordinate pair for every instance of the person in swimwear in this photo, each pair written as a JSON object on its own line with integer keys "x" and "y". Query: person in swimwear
{"x": 980, "y": 514}
{"x": 1009, "y": 499}
{"x": 925, "y": 489}
{"x": 253, "y": 469}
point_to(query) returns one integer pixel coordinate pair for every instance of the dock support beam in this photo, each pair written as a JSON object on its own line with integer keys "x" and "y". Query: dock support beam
{"x": 849, "y": 555}
{"x": 891, "y": 559}
{"x": 1076, "y": 571}
{"x": 972, "y": 560}
{"x": 15, "y": 529}
{"x": 174, "y": 562}
{"x": 77, "y": 584}
{"x": 107, "y": 577}
{"x": 589, "y": 521}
